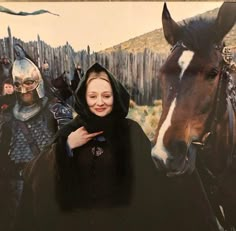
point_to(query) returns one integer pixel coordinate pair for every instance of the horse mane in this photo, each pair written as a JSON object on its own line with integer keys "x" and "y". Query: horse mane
{"x": 198, "y": 34}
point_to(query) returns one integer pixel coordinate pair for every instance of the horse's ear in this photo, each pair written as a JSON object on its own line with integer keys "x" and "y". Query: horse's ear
{"x": 225, "y": 20}
{"x": 170, "y": 27}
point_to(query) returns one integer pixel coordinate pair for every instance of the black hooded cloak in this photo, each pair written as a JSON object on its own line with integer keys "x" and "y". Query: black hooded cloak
{"x": 110, "y": 183}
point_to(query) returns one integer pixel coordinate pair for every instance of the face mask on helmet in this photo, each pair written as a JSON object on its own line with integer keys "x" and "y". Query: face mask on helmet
{"x": 27, "y": 77}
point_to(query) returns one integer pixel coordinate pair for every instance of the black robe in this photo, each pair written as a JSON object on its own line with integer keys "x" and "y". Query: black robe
{"x": 90, "y": 192}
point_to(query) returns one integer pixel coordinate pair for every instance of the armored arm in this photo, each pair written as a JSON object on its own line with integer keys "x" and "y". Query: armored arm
{"x": 62, "y": 113}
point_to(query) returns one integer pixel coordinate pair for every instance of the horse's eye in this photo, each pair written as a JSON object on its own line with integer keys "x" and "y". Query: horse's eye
{"x": 213, "y": 73}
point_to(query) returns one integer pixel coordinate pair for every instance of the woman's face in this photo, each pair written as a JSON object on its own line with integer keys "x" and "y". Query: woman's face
{"x": 8, "y": 89}
{"x": 99, "y": 97}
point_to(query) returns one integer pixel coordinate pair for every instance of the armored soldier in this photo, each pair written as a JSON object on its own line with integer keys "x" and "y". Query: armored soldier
{"x": 5, "y": 68}
{"x": 35, "y": 118}
{"x": 78, "y": 73}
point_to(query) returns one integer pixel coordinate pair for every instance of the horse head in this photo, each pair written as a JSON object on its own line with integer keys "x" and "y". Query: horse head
{"x": 190, "y": 80}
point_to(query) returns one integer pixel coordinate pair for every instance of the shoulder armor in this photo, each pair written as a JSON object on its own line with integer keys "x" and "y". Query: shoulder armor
{"x": 61, "y": 113}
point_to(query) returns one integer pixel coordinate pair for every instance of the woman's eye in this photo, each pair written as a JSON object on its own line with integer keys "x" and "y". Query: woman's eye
{"x": 107, "y": 96}
{"x": 92, "y": 96}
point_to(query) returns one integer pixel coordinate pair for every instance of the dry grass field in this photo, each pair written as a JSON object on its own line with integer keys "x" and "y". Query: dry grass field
{"x": 146, "y": 116}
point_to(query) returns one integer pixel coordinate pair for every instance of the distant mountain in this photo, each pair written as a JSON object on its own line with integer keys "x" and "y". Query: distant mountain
{"x": 156, "y": 42}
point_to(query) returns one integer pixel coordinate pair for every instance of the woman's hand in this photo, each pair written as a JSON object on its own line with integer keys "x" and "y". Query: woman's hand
{"x": 80, "y": 137}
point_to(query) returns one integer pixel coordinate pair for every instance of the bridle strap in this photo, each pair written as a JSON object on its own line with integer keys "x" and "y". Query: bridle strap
{"x": 214, "y": 114}
{"x": 228, "y": 64}
{"x": 216, "y": 111}
{"x": 231, "y": 116}
{"x": 231, "y": 132}
{"x": 178, "y": 44}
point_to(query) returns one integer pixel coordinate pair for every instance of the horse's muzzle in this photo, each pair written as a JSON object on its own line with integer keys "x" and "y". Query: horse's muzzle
{"x": 176, "y": 166}
{"x": 184, "y": 165}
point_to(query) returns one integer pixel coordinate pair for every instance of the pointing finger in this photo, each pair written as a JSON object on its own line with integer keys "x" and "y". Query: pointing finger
{"x": 91, "y": 135}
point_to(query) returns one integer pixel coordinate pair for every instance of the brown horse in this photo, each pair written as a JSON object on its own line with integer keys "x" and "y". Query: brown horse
{"x": 196, "y": 132}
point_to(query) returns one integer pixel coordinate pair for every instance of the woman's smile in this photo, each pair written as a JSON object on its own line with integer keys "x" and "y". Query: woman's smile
{"x": 100, "y": 109}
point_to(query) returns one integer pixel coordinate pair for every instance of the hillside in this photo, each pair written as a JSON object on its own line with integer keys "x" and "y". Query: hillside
{"x": 155, "y": 40}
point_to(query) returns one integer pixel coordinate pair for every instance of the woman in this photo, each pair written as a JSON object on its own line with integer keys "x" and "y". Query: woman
{"x": 99, "y": 171}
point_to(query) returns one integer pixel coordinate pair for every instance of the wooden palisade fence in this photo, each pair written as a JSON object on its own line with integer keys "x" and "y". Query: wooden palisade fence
{"x": 137, "y": 71}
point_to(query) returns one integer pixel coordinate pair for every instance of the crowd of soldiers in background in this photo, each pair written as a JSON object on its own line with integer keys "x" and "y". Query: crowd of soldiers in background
{"x": 58, "y": 85}
{"x": 6, "y": 83}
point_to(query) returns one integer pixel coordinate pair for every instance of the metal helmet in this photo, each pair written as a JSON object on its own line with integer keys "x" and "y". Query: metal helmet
{"x": 26, "y": 75}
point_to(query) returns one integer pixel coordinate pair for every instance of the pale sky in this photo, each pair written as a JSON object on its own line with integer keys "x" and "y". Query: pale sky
{"x": 97, "y": 24}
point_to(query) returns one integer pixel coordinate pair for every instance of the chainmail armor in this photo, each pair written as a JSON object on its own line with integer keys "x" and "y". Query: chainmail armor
{"x": 20, "y": 151}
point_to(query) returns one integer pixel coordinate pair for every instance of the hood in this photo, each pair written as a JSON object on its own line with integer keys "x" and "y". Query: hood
{"x": 120, "y": 94}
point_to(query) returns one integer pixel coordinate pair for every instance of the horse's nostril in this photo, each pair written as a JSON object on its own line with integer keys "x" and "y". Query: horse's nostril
{"x": 178, "y": 147}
